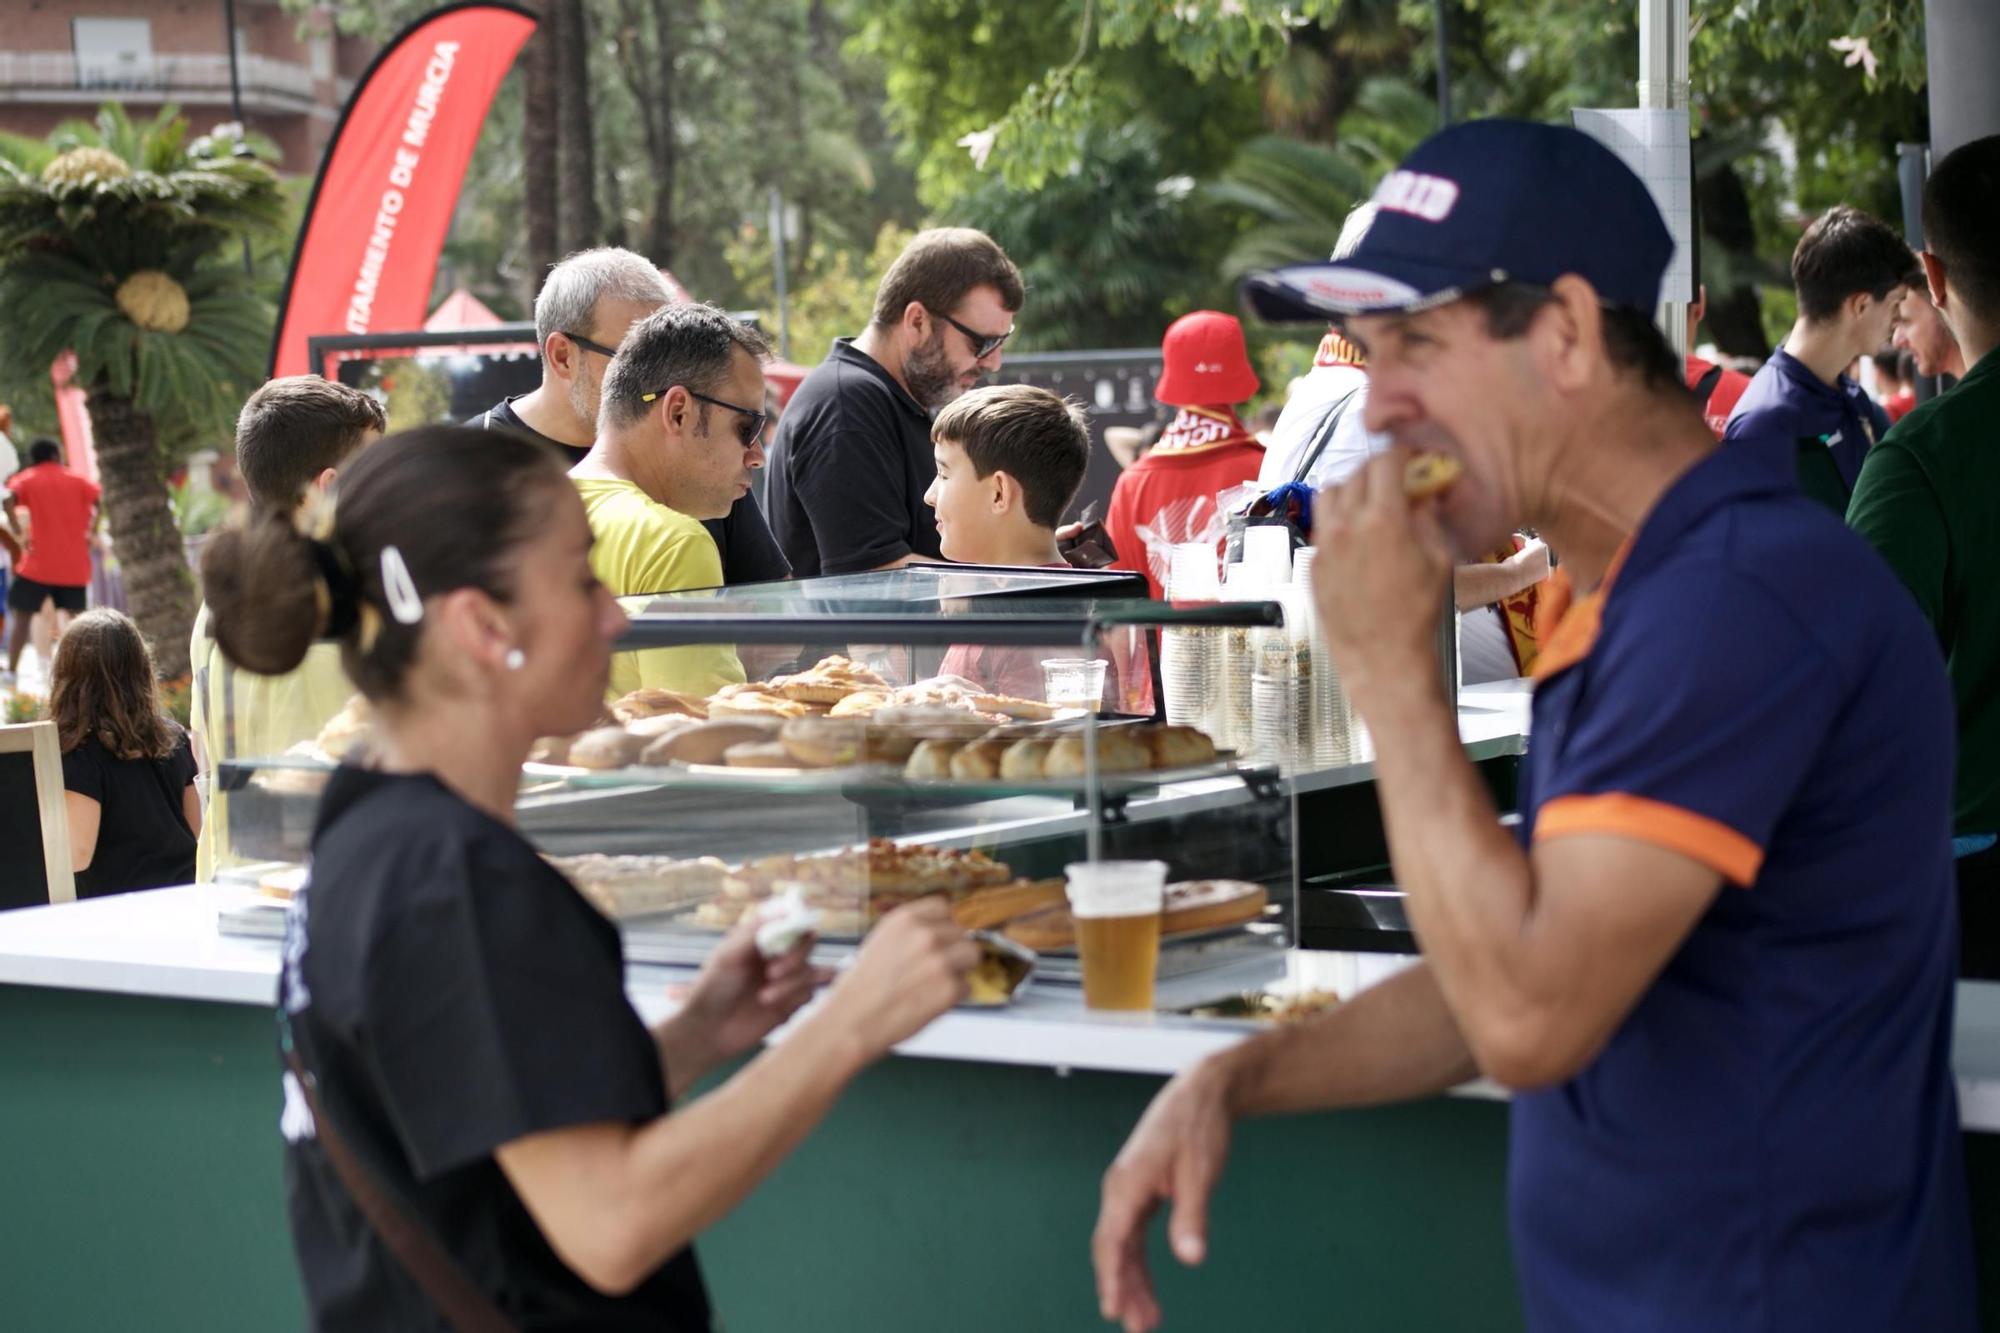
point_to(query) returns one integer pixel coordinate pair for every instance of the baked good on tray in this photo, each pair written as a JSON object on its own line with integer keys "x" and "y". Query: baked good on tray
{"x": 979, "y": 761}
{"x": 1119, "y": 750}
{"x": 653, "y": 701}
{"x": 753, "y": 700}
{"x": 606, "y": 747}
{"x": 758, "y": 754}
{"x": 823, "y": 742}
{"x": 622, "y": 886}
{"x": 1191, "y": 906}
{"x": 707, "y": 742}
{"x": 829, "y": 682}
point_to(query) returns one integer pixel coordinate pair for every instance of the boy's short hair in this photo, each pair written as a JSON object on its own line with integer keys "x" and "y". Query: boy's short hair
{"x": 1960, "y": 200}
{"x": 1843, "y": 252}
{"x": 297, "y": 427}
{"x": 44, "y": 450}
{"x": 1039, "y": 439}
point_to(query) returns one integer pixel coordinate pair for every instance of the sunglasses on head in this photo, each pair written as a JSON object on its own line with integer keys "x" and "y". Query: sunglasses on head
{"x": 746, "y": 435}
{"x": 983, "y": 344}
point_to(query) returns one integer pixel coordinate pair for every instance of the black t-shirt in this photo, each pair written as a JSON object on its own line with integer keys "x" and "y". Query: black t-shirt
{"x": 849, "y": 468}
{"x": 749, "y": 552}
{"x": 143, "y": 841}
{"x": 452, "y": 993}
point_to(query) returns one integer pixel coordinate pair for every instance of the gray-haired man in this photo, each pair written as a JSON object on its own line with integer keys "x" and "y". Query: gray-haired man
{"x": 583, "y": 312}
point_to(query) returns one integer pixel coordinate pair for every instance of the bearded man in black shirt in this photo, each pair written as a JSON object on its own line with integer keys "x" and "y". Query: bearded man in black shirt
{"x": 852, "y": 458}
{"x": 582, "y": 313}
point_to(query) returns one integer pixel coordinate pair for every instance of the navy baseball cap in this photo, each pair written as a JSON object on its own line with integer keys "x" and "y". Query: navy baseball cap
{"x": 1482, "y": 203}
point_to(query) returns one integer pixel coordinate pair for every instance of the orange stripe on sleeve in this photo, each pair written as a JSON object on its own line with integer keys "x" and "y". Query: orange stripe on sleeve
{"x": 1708, "y": 841}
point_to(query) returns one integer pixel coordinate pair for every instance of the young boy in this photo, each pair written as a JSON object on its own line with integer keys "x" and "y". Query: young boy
{"x": 1009, "y": 459}
{"x": 1850, "y": 270}
{"x": 292, "y": 437}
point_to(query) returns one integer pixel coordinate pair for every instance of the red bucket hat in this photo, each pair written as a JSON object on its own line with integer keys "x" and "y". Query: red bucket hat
{"x": 1206, "y": 363}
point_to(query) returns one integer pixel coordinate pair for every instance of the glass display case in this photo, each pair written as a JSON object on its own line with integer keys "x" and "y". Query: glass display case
{"x": 859, "y": 741}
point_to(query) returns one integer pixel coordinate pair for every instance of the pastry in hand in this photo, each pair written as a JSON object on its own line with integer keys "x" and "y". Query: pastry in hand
{"x": 1429, "y": 475}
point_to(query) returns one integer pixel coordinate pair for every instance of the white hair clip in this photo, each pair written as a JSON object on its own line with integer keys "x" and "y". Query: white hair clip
{"x": 399, "y": 589}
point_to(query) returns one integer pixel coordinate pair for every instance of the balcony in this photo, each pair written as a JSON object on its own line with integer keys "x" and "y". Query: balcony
{"x": 58, "y": 76}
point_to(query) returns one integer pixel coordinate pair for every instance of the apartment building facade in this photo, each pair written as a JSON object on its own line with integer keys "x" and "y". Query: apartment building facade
{"x": 60, "y": 59}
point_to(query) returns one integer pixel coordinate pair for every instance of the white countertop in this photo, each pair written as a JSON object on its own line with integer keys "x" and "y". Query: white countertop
{"x": 164, "y": 943}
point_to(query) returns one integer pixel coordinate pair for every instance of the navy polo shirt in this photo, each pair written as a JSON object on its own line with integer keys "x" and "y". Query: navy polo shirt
{"x": 1770, "y": 1140}
{"x": 1827, "y": 429}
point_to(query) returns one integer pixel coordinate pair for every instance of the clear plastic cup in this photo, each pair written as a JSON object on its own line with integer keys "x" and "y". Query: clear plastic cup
{"x": 1074, "y": 682}
{"x": 1116, "y": 905}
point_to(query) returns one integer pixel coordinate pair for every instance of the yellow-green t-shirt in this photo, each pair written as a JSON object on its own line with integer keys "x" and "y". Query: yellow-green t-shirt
{"x": 239, "y": 714}
{"x": 644, "y": 547}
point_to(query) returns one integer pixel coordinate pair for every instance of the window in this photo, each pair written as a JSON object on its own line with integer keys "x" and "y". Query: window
{"x": 113, "y": 53}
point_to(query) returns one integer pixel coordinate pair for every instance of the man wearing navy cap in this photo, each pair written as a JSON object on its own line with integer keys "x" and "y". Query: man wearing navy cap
{"x": 1716, "y": 966}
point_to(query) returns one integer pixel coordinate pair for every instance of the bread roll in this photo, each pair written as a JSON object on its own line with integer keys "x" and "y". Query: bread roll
{"x": 758, "y": 754}
{"x": 550, "y": 750}
{"x": 661, "y": 724}
{"x": 705, "y": 742}
{"x": 932, "y": 759}
{"x": 979, "y": 761}
{"x": 822, "y": 742}
{"x": 1118, "y": 751}
{"x": 606, "y": 747}
{"x": 1025, "y": 759}
{"x": 1178, "y": 747}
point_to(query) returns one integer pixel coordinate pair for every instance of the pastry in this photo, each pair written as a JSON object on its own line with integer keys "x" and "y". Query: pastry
{"x": 829, "y": 682}
{"x": 550, "y": 750}
{"x": 758, "y": 754}
{"x": 705, "y": 742}
{"x": 653, "y": 701}
{"x": 1118, "y": 751}
{"x": 606, "y": 747}
{"x": 931, "y": 759}
{"x": 347, "y": 727}
{"x": 997, "y": 906}
{"x": 1178, "y": 747}
{"x": 1024, "y": 759}
{"x": 884, "y": 746}
{"x": 979, "y": 761}
{"x": 622, "y": 886}
{"x": 1427, "y": 475}
{"x": 936, "y": 719}
{"x": 753, "y": 701}
{"x": 1023, "y": 710}
{"x": 860, "y": 703}
{"x": 661, "y": 724}
{"x": 1190, "y": 906}
{"x": 1001, "y": 969}
{"x": 783, "y": 921}
{"x": 822, "y": 742}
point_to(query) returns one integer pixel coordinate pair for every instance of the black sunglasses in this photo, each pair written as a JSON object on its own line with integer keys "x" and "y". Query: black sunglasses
{"x": 758, "y": 420}
{"x": 983, "y": 344}
{"x": 587, "y": 345}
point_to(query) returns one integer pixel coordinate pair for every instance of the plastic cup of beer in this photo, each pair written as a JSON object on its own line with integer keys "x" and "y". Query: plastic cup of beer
{"x": 1116, "y": 905}
{"x": 1074, "y": 682}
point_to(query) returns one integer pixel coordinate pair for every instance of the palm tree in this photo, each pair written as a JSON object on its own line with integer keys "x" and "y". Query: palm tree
{"x": 1296, "y": 195}
{"x": 119, "y": 242}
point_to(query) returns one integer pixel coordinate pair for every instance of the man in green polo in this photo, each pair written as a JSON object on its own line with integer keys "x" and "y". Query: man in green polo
{"x": 1928, "y": 498}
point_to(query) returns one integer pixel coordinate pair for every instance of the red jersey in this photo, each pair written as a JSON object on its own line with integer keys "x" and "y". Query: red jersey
{"x": 1722, "y": 399}
{"x": 59, "y": 504}
{"x": 1171, "y": 492}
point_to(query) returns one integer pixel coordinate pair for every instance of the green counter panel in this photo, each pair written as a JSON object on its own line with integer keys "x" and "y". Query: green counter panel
{"x": 139, "y": 1188}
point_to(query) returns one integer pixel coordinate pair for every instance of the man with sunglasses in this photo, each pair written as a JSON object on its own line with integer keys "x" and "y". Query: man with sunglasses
{"x": 852, "y": 459}
{"x": 582, "y": 314}
{"x": 680, "y": 428}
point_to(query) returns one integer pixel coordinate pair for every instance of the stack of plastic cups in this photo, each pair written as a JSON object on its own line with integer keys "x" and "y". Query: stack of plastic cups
{"x": 1191, "y": 657}
{"x": 1332, "y": 717}
{"x": 1270, "y": 661}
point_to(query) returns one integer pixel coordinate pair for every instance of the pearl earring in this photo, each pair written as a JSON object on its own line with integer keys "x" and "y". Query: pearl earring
{"x": 516, "y": 659}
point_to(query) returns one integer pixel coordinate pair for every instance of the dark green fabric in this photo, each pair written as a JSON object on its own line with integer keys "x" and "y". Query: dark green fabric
{"x": 1928, "y": 499}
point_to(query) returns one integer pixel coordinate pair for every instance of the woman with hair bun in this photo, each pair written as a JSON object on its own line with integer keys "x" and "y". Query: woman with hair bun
{"x": 457, "y": 1010}
{"x": 128, "y": 768}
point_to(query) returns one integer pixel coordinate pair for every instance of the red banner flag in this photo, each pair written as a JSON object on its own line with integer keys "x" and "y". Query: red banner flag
{"x": 386, "y": 190}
